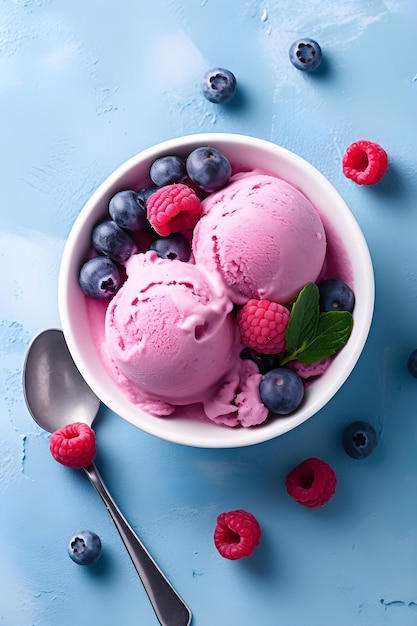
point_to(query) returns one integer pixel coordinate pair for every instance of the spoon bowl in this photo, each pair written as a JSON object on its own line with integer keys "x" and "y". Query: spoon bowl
{"x": 57, "y": 395}
{"x": 55, "y": 392}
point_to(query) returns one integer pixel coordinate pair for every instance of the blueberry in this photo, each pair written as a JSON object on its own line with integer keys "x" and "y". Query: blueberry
{"x": 144, "y": 194}
{"x": 281, "y": 390}
{"x": 335, "y": 295}
{"x": 84, "y": 547}
{"x": 99, "y": 277}
{"x": 359, "y": 439}
{"x": 265, "y": 362}
{"x": 168, "y": 170}
{"x": 109, "y": 239}
{"x": 412, "y": 363}
{"x": 127, "y": 210}
{"x": 218, "y": 85}
{"x": 208, "y": 168}
{"x": 305, "y": 54}
{"x": 173, "y": 247}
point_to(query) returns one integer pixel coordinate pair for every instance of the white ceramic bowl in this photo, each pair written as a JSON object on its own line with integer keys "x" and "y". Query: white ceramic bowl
{"x": 249, "y": 152}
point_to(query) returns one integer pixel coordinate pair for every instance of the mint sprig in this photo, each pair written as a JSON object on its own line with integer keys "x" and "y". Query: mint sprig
{"x": 312, "y": 335}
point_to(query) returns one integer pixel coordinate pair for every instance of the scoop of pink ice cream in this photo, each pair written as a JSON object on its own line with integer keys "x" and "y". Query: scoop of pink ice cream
{"x": 263, "y": 236}
{"x": 170, "y": 332}
{"x": 237, "y": 401}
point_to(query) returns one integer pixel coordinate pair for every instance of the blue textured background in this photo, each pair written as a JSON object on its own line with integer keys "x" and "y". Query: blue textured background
{"x": 84, "y": 85}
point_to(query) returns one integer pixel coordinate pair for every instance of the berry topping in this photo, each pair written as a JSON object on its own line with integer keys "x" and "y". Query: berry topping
{"x": 335, "y": 295}
{"x": 412, "y": 363}
{"x": 168, "y": 170}
{"x": 173, "y": 208}
{"x": 84, "y": 547}
{"x": 74, "y": 445}
{"x": 262, "y": 325}
{"x": 99, "y": 277}
{"x": 143, "y": 196}
{"x": 312, "y": 483}
{"x": 281, "y": 391}
{"x": 127, "y": 210}
{"x": 265, "y": 362}
{"x": 364, "y": 162}
{"x": 208, "y": 168}
{"x": 305, "y": 54}
{"x": 109, "y": 239}
{"x": 237, "y": 534}
{"x": 218, "y": 85}
{"x": 174, "y": 247}
{"x": 359, "y": 439}
{"x": 145, "y": 193}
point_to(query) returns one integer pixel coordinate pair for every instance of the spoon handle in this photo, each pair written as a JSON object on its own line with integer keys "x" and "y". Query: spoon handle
{"x": 168, "y": 606}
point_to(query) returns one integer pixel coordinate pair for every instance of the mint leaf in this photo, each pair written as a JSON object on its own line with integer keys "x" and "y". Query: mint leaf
{"x": 333, "y": 331}
{"x": 311, "y": 336}
{"x": 303, "y": 321}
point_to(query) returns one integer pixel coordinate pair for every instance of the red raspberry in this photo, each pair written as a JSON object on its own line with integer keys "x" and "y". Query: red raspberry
{"x": 237, "y": 534}
{"x": 173, "y": 208}
{"x": 312, "y": 483}
{"x": 364, "y": 162}
{"x": 262, "y": 325}
{"x": 74, "y": 445}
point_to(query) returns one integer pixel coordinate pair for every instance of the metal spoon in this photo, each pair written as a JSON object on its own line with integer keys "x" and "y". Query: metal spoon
{"x": 57, "y": 395}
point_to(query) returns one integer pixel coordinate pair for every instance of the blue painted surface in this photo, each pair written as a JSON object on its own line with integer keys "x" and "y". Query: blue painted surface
{"x": 86, "y": 84}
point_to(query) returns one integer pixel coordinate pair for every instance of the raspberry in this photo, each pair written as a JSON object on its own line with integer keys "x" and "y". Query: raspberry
{"x": 364, "y": 162}
{"x": 173, "y": 208}
{"x": 74, "y": 445}
{"x": 262, "y": 325}
{"x": 237, "y": 534}
{"x": 312, "y": 483}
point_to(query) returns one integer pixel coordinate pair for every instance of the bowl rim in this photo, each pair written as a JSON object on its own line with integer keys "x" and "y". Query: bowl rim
{"x": 231, "y": 437}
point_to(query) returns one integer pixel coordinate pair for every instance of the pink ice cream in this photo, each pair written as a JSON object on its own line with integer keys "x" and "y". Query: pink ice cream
{"x": 169, "y": 337}
{"x": 173, "y": 340}
{"x": 263, "y": 236}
